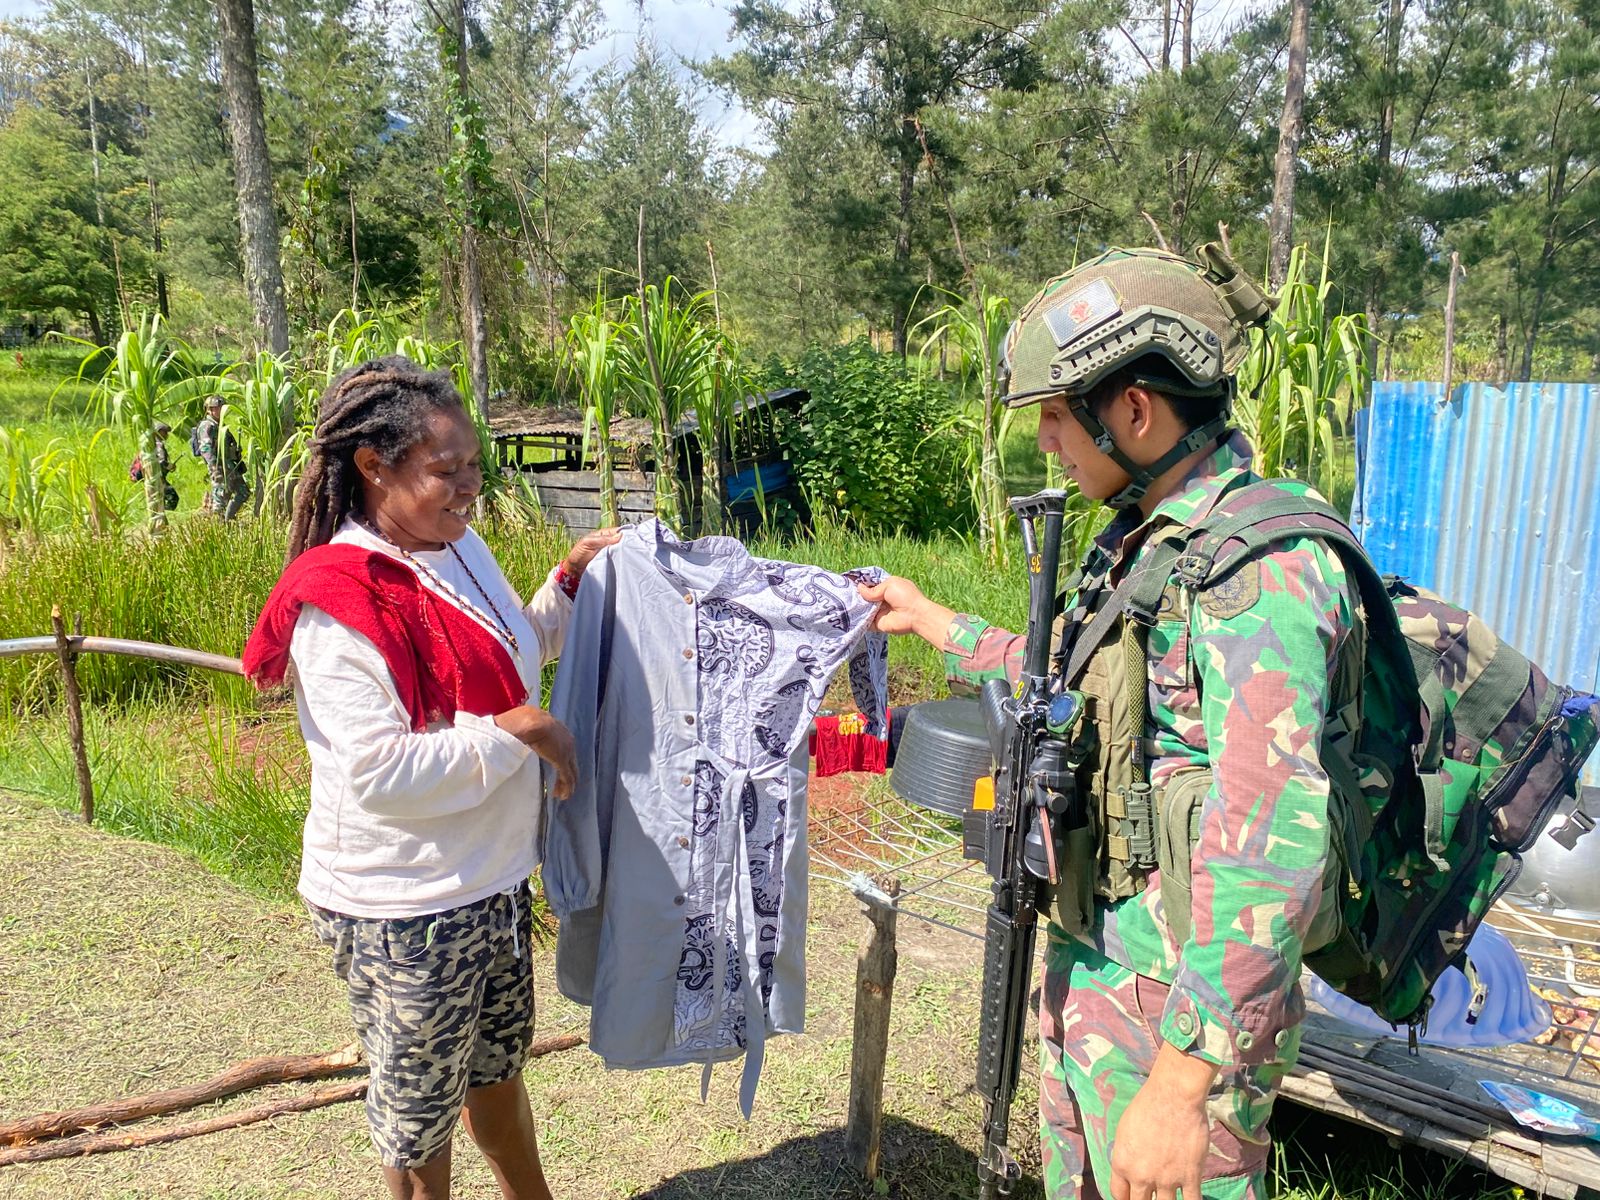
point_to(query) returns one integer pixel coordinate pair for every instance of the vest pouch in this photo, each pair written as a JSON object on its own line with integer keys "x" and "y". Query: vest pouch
{"x": 1177, "y": 832}
{"x": 1072, "y": 903}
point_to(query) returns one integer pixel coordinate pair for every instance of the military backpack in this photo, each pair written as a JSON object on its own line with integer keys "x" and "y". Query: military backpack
{"x": 1458, "y": 754}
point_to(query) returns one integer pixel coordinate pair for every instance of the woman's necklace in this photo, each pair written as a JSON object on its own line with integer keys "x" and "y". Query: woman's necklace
{"x": 497, "y": 624}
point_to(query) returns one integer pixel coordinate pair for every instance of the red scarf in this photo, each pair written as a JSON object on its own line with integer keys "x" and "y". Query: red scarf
{"x": 442, "y": 660}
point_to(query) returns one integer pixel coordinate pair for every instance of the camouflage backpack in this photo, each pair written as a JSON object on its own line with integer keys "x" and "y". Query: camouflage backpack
{"x": 1464, "y": 755}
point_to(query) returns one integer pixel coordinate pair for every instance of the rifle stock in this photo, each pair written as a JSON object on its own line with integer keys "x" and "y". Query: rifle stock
{"x": 1016, "y": 723}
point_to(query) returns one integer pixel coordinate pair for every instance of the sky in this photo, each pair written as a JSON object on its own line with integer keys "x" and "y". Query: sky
{"x": 697, "y": 29}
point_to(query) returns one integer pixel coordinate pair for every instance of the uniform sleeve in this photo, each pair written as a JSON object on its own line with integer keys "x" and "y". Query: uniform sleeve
{"x": 348, "y": 699}
{"x": 1264, "y": 676}
{"x": 976, "y": 652}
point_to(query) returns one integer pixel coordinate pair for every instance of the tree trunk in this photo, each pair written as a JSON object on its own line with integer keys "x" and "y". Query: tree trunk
{"x": 1289, "y": 128}
{"x": 252, "y": 169}
{"x": 1555, "y": 194}
{"x": 156, "y": 247}
{"x": 474, "y": 324}
{"x": 1385, "y": 152}
{"x": 909, "y": 158}
{"x": 1186, "y": 20}
{"x": 1502, "y": 353}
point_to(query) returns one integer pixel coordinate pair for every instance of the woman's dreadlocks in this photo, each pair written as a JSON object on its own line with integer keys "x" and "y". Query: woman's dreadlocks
{"x": 383, "y": 404}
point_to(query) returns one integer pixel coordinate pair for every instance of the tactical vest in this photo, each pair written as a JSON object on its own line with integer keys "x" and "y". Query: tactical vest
{"x": 1134, "y": 827}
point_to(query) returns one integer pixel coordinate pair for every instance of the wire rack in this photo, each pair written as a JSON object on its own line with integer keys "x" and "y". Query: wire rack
{"x": 861, "y": 833}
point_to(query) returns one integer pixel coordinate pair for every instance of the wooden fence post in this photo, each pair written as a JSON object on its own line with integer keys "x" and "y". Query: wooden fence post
{"x": 1450, "y": 323}
{"x": 69, "y": 684}
{"x": 875, "y": 969}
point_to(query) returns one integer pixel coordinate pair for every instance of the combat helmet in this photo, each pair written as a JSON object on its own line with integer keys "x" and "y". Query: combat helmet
{"x": 1180, "y": 325}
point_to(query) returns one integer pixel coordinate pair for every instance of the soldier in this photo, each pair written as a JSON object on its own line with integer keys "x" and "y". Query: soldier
{"x": 220, "y": 452}
{"x": 1165, "y": 1035}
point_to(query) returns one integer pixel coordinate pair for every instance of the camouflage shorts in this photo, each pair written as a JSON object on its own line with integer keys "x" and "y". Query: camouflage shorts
{"x": 442, "y": 1003}
{"x": 1099, "y": 1031}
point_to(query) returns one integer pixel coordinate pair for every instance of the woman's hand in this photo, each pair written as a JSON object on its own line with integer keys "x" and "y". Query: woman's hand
{"x": 904, "y": 609}
{"x": 549, "y": 739}
{"x": 585, "y": 548}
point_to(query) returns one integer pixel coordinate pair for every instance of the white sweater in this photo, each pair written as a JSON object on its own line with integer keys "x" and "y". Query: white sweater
{"x": 405, "y": 823}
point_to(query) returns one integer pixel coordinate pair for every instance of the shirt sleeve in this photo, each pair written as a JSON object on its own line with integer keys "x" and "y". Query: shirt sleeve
{"x": 578, "y": 827}
{"x": 976, "y": 652}
{"x": 1264, "y": 675}
{"x": 347, "y": 695}
{"x": 549, "y": 612}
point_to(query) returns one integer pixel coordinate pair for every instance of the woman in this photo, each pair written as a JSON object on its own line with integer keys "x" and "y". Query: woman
{"x": 414, "y": 662}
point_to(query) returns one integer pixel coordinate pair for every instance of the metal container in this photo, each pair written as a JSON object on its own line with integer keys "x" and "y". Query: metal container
{"x": 944, "y": 750}
{"x": 1563, "y": 884}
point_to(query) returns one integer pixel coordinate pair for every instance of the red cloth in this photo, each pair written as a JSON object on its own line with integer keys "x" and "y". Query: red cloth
{"x": 842, "y": 744}
{"x": 442, "y": 660}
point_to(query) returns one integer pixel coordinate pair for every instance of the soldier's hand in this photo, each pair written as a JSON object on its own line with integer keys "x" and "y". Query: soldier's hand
{"x": 904, "y": 609}
{"x": 1159, "y": 1147}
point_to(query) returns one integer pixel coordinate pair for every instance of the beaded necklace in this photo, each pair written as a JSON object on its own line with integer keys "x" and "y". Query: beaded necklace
{"x": 497, "y": 624}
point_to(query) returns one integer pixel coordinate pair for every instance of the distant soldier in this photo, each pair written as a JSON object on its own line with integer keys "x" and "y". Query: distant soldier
{"x": 164, "y": 459}
{"x": 220, "y": 452}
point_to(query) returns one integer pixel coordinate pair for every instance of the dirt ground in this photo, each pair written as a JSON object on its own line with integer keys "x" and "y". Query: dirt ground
{"x": 125, "y": 967}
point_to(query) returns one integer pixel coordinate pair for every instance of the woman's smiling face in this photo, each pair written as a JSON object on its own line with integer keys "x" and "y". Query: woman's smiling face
{"x": 424, "y": 501}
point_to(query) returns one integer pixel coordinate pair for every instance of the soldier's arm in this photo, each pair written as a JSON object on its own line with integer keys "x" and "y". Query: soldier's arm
{"x": 1264, "y": 677}
{"x": 976, "y": 652}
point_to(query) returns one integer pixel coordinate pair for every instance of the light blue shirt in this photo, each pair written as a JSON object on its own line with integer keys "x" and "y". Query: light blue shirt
{"x": 689, "y": 679}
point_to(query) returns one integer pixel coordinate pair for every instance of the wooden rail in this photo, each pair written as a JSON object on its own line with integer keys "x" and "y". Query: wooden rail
{"x": 67, "y": 646}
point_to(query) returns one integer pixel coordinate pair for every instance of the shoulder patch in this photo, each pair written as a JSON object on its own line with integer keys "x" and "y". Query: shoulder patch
{"x": 1234, "y": 595}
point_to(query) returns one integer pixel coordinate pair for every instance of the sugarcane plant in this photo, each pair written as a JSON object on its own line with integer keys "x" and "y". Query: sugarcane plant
{"x": 150, "y": 380}
{"x": 976, "y": 325}
{"x": 1304, "y": 377}
{"x": 590, "y": 359}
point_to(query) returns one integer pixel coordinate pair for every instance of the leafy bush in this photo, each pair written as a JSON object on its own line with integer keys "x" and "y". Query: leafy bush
{"x": 872, "y": 446}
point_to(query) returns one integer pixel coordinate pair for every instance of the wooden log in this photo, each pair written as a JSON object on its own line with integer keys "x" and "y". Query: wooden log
{"x": 875, "y": 971}
{"x": 69, "y": 685}
{"x": 106, "y": 1142}
{"x": 240, "y": 1077}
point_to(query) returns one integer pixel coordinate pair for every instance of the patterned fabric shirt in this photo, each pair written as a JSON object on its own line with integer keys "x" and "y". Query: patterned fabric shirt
{"x": 1245, "y": 694}
{"x": 689, "y": 678}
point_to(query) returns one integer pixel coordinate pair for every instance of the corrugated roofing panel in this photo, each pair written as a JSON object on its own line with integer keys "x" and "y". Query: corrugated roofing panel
{"x": 1492, "y": 499}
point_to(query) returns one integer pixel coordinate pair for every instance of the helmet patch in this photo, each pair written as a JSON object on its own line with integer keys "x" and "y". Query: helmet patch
{"x": 1085, "y": 308}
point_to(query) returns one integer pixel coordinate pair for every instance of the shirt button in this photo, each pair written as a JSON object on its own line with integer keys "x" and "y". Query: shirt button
{"x": 1245, "y": 1040}
{"x": 686, "y": 780}
{"x": 687, "y": 598}
{"x": 689, "y": 720}
{"x": 1185, "y": 1024}
{"x": 683, "y": 842}
{"x": 1283, "y": 1036}
{"x": 688, "y": 653}
{"x": 677, "y": 900}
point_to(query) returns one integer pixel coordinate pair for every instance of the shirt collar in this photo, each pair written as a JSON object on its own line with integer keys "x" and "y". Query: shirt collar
{"x": 1188, "y": 504}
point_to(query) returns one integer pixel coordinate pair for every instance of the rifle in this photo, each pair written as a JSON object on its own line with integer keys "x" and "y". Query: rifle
{"x": 1019, "y": 839}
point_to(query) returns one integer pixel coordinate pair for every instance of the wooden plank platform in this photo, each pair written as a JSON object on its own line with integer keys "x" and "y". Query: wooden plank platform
{"x": 1433, "y": 1100}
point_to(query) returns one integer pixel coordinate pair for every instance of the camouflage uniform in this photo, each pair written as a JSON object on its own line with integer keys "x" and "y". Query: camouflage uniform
{"x": 220, "y": 453}
{"x": 1241, "y": 684}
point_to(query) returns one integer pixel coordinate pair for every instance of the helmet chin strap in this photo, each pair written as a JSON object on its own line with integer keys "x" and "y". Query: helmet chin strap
{"x": 1141, "y": 477}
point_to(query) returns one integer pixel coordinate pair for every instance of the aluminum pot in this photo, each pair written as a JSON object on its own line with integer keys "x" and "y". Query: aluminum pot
{"x": 1563, "y": 883}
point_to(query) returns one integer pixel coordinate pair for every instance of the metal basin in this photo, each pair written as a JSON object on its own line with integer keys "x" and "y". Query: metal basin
{"x": 1563, "y": 884}
{"x": 944, "y": 750}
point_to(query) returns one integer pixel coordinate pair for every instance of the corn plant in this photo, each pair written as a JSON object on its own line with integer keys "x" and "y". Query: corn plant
{"x": 977, "y": 325}
{"x": 590, "y": 351}
{"x": 1305, "y": 375}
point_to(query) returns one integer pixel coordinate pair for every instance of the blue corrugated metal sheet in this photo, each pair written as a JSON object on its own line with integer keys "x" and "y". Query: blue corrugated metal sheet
{"x": 1492, "y": 499}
